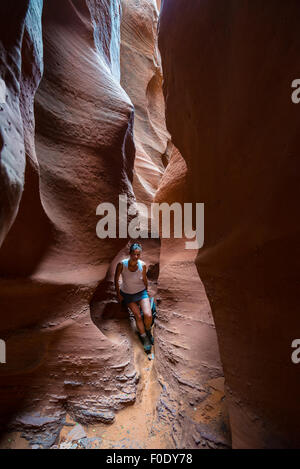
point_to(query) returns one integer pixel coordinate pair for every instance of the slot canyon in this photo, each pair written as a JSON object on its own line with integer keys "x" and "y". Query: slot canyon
{"x": 172, "y": 101}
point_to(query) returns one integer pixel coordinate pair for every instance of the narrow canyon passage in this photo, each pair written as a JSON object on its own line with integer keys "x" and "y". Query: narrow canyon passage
{"x": 154, "y": 101}
{"x": 76, "y": 357}
{"x": 188, "y": 407}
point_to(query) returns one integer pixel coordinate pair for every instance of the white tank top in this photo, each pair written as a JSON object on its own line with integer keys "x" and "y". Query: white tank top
{"x": 132, "y": 282}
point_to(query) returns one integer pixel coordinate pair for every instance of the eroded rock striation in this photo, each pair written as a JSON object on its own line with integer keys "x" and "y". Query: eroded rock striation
{"x": 51, "y": 260}
{"x": 228, "y": 67}
{"x": 188, "y": 361}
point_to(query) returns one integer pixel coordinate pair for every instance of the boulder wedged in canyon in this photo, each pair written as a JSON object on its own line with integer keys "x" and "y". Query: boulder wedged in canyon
{"x": 228, "y": 69}
{"x": 51, "y": 260}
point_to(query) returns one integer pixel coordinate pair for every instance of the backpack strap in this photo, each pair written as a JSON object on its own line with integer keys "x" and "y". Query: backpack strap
{"x": 153, "y": 309}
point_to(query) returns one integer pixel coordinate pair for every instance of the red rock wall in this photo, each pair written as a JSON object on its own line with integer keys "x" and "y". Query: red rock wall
{"x": 187, "y": 352}
{"x": 51, "y": 260}
{"x": 228, "y": 68}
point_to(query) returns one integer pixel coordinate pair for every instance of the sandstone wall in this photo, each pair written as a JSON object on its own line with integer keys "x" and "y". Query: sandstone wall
{"x": 228, "y": 68}
{"x": 141, "y": 77}
{"x": 21, "y": 67}
{"x": 51, "y": 261}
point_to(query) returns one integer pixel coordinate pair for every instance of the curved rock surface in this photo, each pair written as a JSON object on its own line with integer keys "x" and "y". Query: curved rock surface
{"x": 141, "y": 77}
{"x": 188, "y": 361}
{"x": 228, "y": 67}
{"x": 21, "y": 67}
{"x": 51, "y": 260}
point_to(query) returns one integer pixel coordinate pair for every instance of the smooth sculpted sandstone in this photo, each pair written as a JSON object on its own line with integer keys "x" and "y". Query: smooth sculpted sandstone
{"x": 51, "y": 261}
{"x": 141, "y": 77}
{"x": 228, "y": 68}
{"x": 20, "y": 73}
